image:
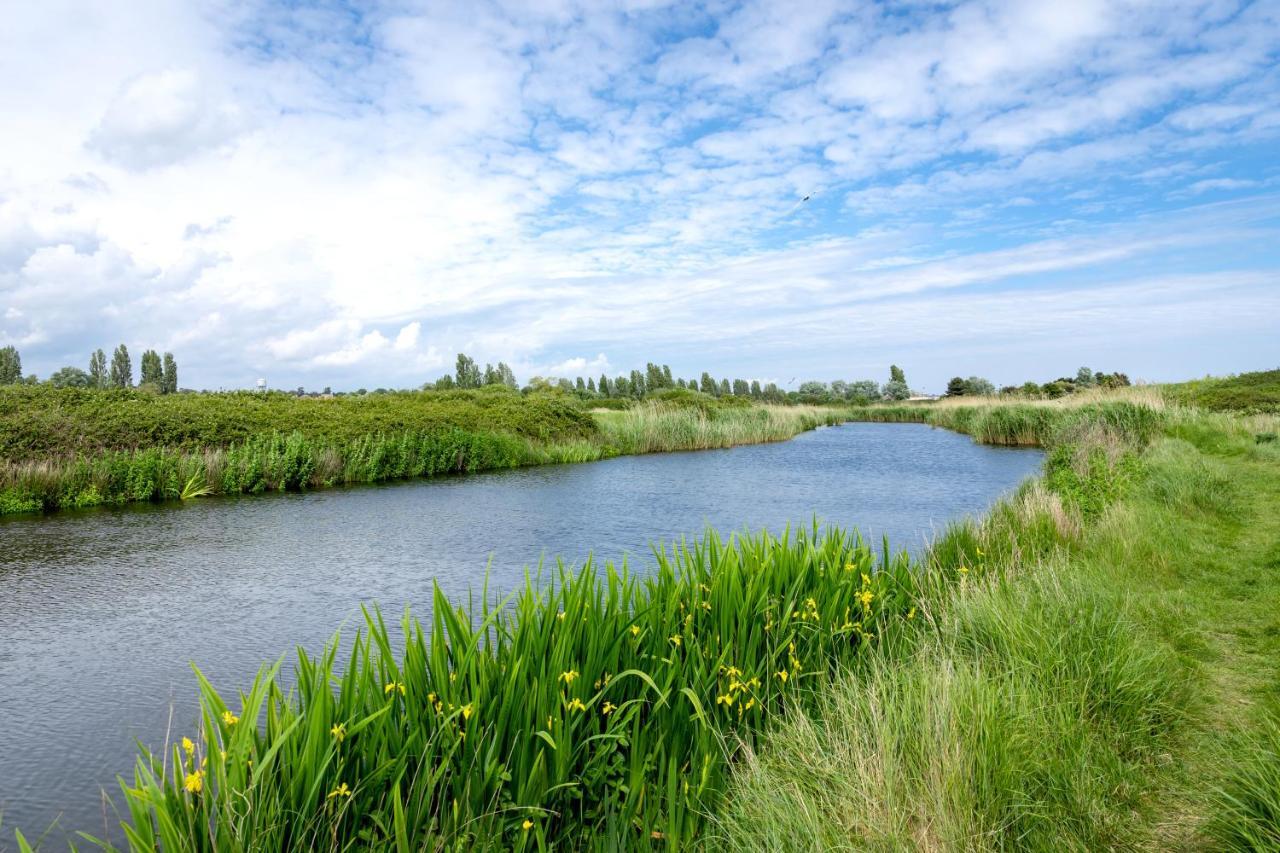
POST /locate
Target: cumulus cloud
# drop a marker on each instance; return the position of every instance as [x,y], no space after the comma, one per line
[347,198]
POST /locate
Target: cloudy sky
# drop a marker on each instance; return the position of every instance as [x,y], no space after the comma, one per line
[348,194]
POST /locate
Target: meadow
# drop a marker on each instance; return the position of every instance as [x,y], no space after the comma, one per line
[1052,676]
[76,448]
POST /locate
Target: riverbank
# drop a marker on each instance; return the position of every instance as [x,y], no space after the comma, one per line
[1053,664]
[73,448]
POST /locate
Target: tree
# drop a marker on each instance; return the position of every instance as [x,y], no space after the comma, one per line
[896,374]
[152,371]
[976,386]
[170,383]
[813,388]
[1085,378]
[605,390]
[507,375]
[621,388]
[467,372]
[667,382]
[580,386]
[708,385]
[1031,389]
[957,387]
[896,390]
[491,375]
[724,388]
[445,383]
[121,368]
[741,388]
[866,389]
[637,384]
[591,386]
[773,393]
[10,366]
[70,377]
[652,376]
[98,369]
[755,389]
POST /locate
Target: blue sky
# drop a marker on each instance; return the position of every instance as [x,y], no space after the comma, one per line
[348,194]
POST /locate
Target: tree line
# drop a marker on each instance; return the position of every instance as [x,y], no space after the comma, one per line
[976,386]
[658,377]
[158,373]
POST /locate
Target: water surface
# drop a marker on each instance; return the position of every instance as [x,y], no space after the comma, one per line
[101,612]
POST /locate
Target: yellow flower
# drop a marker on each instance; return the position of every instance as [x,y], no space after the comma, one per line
[979,550]
[229,718]
[676,639]
[575,704]
[340,791]
[635,630]
[568,677]
[392,686]
[194,782]
[339,731]
[527,825]
[724,699]
[467,711]
[964,570]
[865,597]
[911,614]
[560,615]
[187,746]
[783,675]
[608,708]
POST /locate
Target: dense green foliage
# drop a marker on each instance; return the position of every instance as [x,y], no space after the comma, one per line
[41,422]
[1248,392]
[592,712]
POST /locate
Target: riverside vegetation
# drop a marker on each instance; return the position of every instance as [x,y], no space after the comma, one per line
[66,448]
[1093,665]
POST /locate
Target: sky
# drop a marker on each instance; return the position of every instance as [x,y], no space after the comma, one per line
[348,194]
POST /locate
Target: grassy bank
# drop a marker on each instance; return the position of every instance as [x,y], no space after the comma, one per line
[72,448]
[1106,676]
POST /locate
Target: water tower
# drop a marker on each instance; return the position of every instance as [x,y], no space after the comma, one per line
[262,385]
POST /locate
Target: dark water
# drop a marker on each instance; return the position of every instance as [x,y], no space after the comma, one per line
[101,612]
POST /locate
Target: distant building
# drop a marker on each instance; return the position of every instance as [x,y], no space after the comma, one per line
[262,384]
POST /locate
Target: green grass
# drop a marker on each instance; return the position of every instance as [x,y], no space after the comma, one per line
[1248,392]
[76,449]
[602,708]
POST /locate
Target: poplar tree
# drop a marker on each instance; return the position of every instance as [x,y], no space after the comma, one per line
[467,372]
[169,384]
[708,385]
[98,369]
[724,388]
[741,388]
[10,366]
[591,385]
[152,372]
[755,389]
[605,390]
[121,368]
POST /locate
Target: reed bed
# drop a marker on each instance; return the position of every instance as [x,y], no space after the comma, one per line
[597,711]
[655,427]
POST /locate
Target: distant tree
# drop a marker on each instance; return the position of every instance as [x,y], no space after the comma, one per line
[121,368]
[445,383]
[580,386]
[152,370]
[10,366]
[621,387]
[1054,390]
[605,390]
[507,375]
[724,388]
[667,381]
[564,384]
[839,389]
[637,384]
[896,389]
[1112,380]
[691,384]
[70,377]
[957,387]
[773,393]
[708,385]
[591,386]
[813,388]
[467,372]
[741,388]
[1030,389]
[866,389]
[978,387]
[491,375]
[653,376]
[1085,378]
[98,369]
[169,384]
[896,374]
[328,392]
[755,389]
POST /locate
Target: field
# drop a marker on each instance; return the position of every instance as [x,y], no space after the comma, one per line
[68,448]
[1094,665]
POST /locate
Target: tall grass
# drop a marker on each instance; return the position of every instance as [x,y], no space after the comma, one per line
[599,711]
[654,427]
